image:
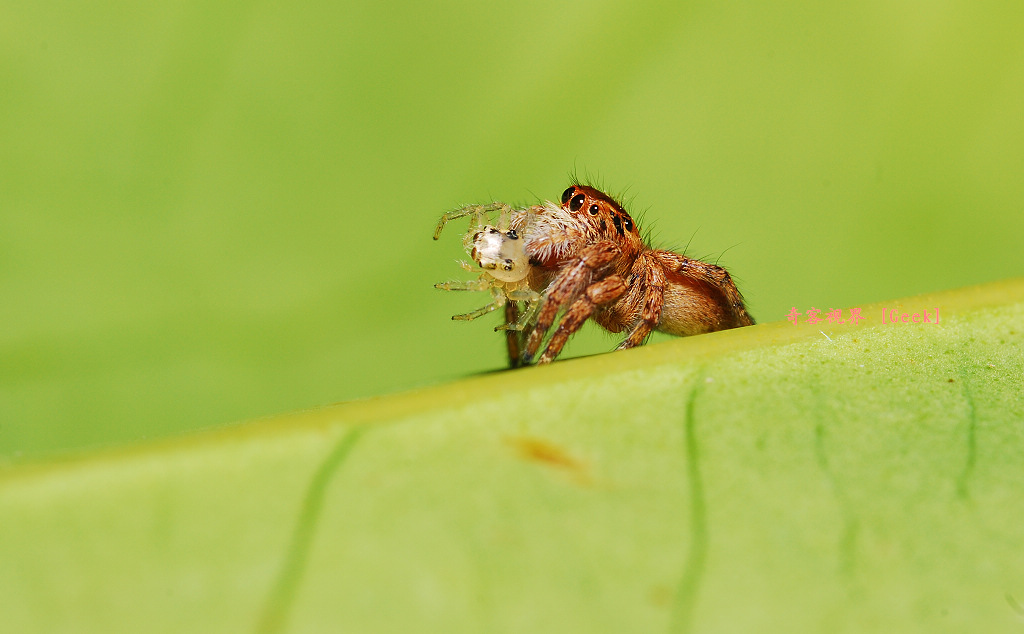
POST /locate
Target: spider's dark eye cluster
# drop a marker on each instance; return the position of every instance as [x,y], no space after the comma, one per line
[575,202]
[593,210]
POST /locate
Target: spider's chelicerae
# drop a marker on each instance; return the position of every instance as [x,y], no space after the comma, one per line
[586,260]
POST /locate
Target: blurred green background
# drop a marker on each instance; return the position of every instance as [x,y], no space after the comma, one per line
[217,211]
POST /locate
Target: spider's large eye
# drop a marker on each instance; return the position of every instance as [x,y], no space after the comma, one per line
[628,224]
[566,194]
[593,210]
[576,203]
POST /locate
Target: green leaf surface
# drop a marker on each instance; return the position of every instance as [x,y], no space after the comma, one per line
[783,477]
[218,210]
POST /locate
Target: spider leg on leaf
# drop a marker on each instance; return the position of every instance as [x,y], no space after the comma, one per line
[566,288]
[513,338]
[601,292]
[653,285]
[518,321]
[712,274]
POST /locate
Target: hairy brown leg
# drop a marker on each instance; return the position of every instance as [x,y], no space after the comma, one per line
[653,298]
[713,275]
[567,287]
[513,337]
[605,291]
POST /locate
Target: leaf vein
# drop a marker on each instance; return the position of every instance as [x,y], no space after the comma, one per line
[282,595]
[696,560]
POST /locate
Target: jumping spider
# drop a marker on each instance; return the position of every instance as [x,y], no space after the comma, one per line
[500,255]
[585,259]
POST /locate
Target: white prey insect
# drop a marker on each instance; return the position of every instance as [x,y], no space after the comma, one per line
[494,243]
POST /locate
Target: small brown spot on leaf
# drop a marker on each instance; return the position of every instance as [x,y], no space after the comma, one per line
[952,381]
[661,596]
[549,454]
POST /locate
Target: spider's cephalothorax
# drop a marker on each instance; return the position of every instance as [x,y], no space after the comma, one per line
[587,259]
